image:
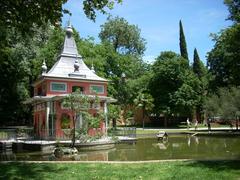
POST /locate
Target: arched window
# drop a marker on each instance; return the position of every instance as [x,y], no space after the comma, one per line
[65,121]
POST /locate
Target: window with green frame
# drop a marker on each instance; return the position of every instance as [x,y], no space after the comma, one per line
[58,87]
[99,89]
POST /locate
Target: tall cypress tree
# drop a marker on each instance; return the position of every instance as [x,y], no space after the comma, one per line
[198,66]
[200,70]
[183,44]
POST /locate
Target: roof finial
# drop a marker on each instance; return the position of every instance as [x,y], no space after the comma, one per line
[44,67]
[76,65]
[92,68]
[69,30]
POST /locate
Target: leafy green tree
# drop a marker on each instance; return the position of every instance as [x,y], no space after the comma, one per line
[24,14]
[212,106]
[16,66]
[234,9]
[77,103]
[124,37]
[144,101]
[90,7]
[113,113]
[111,65]
[47,51]
[223,58]
[201,72]
[141,83]
[26,39]
[224,104]
[182,43]
[198,67]
[173,85]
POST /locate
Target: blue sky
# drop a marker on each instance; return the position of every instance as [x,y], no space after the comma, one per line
[159,23]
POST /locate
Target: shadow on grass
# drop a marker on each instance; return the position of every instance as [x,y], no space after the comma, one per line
[220,165]
[26,170]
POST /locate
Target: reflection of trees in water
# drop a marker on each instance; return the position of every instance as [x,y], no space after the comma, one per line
[100,155]
[220,147]
[198,147]
[124,152]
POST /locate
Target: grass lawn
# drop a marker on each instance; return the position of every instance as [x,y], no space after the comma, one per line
[157,170]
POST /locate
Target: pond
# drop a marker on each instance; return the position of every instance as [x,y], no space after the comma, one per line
[176,147]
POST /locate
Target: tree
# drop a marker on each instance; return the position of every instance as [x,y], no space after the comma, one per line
[224,104]
[201,72]
[124,37]
[182,43]
[90,7]
[212,106]
[173,86]
[113,114]
[77,104]
[24,14]
[111,65]
[234,9]
[16,66]
[141,83]
[144,101]
[21,59]
[198,66]
[222,60]
[24,31]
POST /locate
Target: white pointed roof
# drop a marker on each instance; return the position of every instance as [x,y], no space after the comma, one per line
[64,67]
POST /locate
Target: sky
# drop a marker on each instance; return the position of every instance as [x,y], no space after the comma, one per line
[158,21]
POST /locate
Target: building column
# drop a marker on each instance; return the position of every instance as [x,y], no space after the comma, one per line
[106,118]
[47,118]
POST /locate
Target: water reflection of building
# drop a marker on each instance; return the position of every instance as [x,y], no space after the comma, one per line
[102,155]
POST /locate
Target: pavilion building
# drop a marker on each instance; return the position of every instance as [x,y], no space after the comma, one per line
[68,74]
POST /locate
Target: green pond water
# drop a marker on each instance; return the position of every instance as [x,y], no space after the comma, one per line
[176,147]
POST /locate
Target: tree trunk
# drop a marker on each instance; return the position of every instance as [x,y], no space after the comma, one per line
[114,123]
[143,116]
[73,138]
[165,121]
[198,114]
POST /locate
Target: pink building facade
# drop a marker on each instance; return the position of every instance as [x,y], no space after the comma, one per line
[68,74]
